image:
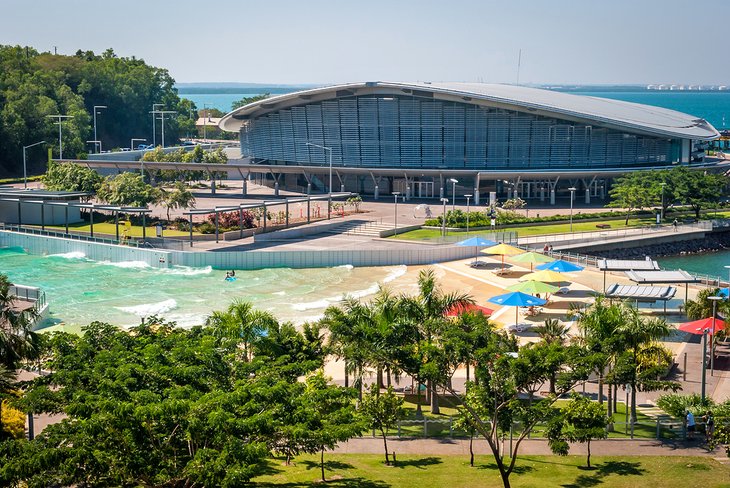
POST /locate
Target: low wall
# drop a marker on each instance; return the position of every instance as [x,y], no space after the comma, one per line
[43,245]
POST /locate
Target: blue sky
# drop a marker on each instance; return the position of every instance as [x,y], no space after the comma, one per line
[318,41]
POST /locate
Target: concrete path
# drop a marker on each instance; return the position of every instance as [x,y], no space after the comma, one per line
[608,447]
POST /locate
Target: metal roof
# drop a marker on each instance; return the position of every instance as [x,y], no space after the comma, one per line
[641,293]
[678,276]
[627,264]
[601,111]
[43,194]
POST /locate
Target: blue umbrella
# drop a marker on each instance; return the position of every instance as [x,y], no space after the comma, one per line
[560,266]
[476,242]
[517,299]
[725,292]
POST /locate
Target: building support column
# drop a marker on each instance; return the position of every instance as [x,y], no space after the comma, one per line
[441,186]
[553,185]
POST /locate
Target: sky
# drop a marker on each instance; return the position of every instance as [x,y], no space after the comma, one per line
[328,41]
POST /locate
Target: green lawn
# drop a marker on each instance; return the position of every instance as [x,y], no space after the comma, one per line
[537,229]
[368,471]
[110,229]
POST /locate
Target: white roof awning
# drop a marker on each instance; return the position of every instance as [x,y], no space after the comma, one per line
[678,276]
[641,293]
[628,264]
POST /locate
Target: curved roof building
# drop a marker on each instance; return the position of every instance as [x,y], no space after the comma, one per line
[499,136]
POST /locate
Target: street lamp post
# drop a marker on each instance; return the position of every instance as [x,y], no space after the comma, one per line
[661,220]
[95,112]
[60,134]
[443,217]
[395,212]
[205,121]
[162,123]
[467,212]
[330,161]
[714,299]
[453,193]
[572,194]
[154,122]
[25,171]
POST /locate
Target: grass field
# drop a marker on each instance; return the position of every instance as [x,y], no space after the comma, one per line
[368,471]
[110,229]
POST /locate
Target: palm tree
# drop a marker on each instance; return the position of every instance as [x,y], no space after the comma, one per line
[635,332]
[241,323]
[17,339]
[701,307]
[553,332]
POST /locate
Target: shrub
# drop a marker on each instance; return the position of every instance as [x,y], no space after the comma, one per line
[230,220]
[13,421]
[677,405]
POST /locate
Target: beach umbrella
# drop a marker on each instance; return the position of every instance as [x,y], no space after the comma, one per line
[560,266]
[517,299]
[531,257]
[476,242]
[546,276]
[457,310]
[533,287]
[503,250]
[699,327]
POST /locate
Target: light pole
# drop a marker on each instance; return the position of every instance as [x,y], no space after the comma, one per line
[704,346]
[326,149]
[154,122]
[572,193]
[453,193]
[443,217]
[162,123]
[25,171]
[712,346]
[661,220]
[95,112]
[131,142]
[205,121]
[60,140]
[467,212]
[395,212]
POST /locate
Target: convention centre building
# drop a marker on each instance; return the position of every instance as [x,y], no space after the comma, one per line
[427,140]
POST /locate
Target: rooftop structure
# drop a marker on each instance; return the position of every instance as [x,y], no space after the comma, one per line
[414,137]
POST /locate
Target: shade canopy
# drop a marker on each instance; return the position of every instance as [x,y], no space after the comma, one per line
[517,299]
[546,276]
[503,250]
[560,266]
[457,310]
[711,325]
[533,287]
[476,242]
[531,257]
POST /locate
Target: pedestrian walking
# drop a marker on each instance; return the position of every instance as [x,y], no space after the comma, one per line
[690,425]
[675,224]
[709,425]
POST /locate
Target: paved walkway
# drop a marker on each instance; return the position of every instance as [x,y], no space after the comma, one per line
[608,447]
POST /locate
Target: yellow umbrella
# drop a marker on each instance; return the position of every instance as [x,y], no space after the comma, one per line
[503,250]
[546,276]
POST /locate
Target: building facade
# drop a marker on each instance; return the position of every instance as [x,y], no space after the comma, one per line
[415,137]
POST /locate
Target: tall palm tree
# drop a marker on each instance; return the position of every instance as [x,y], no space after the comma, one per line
[241,324]
[637,331]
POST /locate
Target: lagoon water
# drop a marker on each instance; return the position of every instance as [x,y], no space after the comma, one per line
[712,264]
[80,290]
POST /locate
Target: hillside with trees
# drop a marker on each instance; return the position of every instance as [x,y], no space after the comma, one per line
[35,85]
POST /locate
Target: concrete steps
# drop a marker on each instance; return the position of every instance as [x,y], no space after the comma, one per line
[360,228]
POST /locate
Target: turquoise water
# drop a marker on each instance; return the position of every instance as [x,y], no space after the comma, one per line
[712,264]
[80,290]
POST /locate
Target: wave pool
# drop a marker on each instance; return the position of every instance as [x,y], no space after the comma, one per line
[81,290]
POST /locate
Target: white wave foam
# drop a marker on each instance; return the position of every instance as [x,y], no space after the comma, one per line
[187,270]
[126,264]
[147,309]
[301,307]
[280,293]
[345,266]
[69,255]
[396,273]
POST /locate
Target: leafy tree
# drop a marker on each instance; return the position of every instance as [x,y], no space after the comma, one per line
[128,189]
[179,197]
[698,189]
[17,339]
[71,177]
[241,324]
[701,307]
[247,100]
[634,191]
[581,420]
[382,412]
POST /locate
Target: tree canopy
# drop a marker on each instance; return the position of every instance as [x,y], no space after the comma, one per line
[34,85]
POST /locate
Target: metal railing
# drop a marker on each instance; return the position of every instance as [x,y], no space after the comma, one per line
[29,294]
[64,235]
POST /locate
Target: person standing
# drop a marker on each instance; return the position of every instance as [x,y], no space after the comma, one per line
[690,425]
[709,425]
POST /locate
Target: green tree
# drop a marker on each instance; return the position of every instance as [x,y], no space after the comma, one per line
[179,197]
[128,189]
[71,177]
[697,188]
[18,341]
[382,413]
[634,191]
[581,420]
[241,324]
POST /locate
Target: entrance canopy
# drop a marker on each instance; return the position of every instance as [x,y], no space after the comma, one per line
[641,293]
[628,264]
[678,276]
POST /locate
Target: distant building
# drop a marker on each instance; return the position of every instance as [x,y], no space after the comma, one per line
[414,137]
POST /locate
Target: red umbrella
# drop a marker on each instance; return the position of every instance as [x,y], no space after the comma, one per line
[699,326]
[457,310]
